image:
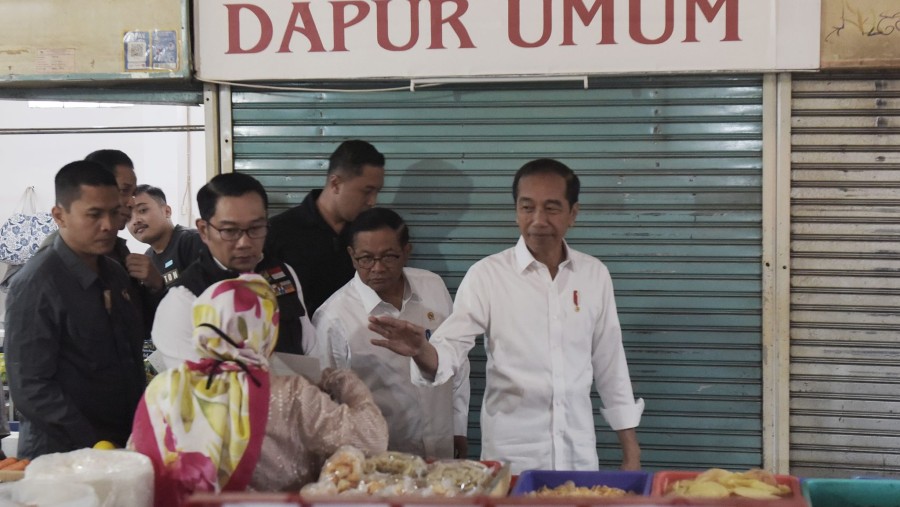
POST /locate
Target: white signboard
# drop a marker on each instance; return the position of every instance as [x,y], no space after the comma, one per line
[338,39]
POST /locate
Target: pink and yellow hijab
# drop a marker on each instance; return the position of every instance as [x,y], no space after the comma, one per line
[202,424]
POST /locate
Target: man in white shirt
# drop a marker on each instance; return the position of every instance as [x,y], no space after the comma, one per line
[233,224]
[550,327]
[423,420]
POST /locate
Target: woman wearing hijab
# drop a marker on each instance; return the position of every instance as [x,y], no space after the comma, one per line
[226,424]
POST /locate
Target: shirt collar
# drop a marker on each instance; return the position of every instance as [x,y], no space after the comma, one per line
[85,275]
[371,300]
[524,259]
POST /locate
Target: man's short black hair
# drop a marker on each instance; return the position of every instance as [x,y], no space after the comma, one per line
[374,219]
[549,166]
[155,193]
[73,175]
[227,185]
[109,159]
[350,157]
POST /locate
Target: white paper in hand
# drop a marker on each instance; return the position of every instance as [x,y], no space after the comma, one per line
[281,363]
[157,362]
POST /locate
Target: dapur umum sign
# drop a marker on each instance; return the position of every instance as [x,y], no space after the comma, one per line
[336,39]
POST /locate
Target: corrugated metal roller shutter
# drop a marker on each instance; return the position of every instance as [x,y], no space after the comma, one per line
[845,275]
[671,175]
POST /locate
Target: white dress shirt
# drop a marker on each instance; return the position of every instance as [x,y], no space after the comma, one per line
[173,327]
[547,339]
[421,419]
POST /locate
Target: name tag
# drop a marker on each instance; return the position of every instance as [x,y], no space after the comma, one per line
[280,282]
[169,277]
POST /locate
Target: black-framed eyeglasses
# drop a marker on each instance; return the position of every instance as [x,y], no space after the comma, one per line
[387,260]
[235,233]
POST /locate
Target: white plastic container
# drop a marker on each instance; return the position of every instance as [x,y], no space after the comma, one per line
[119,478]
[47,493]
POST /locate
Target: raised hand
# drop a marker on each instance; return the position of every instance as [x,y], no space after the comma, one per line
[141,267]
[407,339]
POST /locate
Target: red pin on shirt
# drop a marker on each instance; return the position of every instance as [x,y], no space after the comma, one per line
[575,300]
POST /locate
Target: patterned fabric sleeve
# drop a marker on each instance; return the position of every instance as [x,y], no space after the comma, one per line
[352,419]
[306,426]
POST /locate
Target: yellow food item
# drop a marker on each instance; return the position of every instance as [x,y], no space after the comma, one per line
[718,483]
[756,493]
[104,445]
[706,490]
[569,489]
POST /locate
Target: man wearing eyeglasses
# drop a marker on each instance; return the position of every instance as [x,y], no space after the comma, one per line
[234,224]
[426,421]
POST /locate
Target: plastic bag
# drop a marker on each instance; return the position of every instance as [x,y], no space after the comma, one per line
[117,477]
[22,234]
[47,493]
[348,472]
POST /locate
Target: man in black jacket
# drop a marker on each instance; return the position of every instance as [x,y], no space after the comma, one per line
[308,236]
[73,338]
[138,266]
[233,224]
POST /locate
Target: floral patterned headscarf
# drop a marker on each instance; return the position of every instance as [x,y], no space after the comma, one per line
[202,424]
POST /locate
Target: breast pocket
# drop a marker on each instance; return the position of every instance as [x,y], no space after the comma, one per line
[581,322]
[89,343]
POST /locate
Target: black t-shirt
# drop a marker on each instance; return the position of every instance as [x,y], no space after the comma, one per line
[183,249]
[301,238]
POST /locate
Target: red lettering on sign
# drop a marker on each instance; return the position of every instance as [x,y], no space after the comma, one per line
[438,21]
[515,25]
[234,28]
[308,28]
[384,38]
[710,12]
[607,28]
[340,20]
[446,18]
[635,27]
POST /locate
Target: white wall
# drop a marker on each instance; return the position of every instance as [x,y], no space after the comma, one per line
[164,159]
[173,161]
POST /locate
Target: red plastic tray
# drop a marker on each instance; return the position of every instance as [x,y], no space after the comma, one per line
[663,480]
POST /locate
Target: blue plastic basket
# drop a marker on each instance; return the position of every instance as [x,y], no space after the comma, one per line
[533,480]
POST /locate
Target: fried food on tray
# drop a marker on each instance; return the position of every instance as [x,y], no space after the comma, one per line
[718,483]
[344,469]
[396,463]
[348,472]
[379,484]
[570,489]
[457,477]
